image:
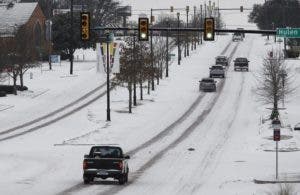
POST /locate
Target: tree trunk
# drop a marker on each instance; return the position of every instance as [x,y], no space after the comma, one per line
[157,76]
[130,96]
[15,75]
[134,90]
[160,70]
[149,83]
[21,79]
[141,89]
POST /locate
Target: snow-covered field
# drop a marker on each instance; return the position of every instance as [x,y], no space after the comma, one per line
[218,145]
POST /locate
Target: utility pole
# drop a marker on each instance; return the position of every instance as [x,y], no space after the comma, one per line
[72,40]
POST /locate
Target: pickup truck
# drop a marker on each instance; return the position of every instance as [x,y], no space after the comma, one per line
[241,64]
[105,162]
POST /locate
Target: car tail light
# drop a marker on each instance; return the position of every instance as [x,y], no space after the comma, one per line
[84,165]
[120,165]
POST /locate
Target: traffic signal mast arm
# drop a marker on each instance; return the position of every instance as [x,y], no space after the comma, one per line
[270,32]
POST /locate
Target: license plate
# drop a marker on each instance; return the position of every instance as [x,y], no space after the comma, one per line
[102,173]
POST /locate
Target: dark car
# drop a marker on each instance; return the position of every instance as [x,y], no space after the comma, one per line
[207,84]
[243,34]
[241,63]
[222,60]
[105,162]
[297,127]
[217,71]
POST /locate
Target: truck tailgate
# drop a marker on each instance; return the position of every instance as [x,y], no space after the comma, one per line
[103,163]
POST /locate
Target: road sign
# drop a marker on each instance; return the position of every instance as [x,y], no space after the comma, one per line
[55,58]
[276,135]
[288,32]
[276,124]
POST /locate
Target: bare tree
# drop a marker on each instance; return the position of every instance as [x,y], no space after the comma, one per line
[274,81]
[160,54]
[26,52]
[8,60]
[135,65]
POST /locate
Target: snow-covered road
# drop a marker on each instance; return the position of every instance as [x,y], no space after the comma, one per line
[221,127]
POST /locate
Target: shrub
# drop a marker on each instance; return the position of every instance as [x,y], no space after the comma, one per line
[2,93]
[291,53]
[9,89]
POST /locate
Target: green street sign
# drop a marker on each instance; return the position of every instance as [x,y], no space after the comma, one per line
[288,32]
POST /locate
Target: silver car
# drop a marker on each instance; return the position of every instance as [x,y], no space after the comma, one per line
[207,84]
[237,37]
[217,71]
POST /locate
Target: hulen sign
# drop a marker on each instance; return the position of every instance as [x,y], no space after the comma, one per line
[288,32]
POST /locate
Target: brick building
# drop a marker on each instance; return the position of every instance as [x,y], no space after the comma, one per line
[28,15]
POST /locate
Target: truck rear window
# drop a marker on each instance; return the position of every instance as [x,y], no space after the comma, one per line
[106,152]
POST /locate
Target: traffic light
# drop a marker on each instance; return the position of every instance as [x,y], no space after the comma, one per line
[172,9]
[143,29]
[85,26]
[241,8]
[209,29]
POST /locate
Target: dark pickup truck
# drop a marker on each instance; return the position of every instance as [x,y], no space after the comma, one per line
[241,64]
[105,162]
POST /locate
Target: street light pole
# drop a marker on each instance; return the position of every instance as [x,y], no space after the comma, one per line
[201,22]
[194,37]
[167,45]
[187,34]
[72,40]
[178,41]
[107,77]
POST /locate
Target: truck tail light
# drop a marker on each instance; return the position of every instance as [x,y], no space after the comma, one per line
[84,165]
[120,165]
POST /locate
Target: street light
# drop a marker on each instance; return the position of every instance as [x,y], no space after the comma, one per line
[178,41]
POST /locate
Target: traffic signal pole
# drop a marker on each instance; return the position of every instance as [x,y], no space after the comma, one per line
[151,53]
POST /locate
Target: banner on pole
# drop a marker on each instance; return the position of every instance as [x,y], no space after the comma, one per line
[114,56]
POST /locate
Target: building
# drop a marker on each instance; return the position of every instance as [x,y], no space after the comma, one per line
[13,16]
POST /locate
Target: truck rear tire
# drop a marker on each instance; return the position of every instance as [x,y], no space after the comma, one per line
[122,180]
[86,181]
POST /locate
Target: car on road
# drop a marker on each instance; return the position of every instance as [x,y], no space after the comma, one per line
[104,162]
[297,127]
[241,63]
[237,37]
[217,71]
[222,60]
[207,84]
[243,34]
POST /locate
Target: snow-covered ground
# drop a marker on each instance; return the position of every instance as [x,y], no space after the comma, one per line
[232,143]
